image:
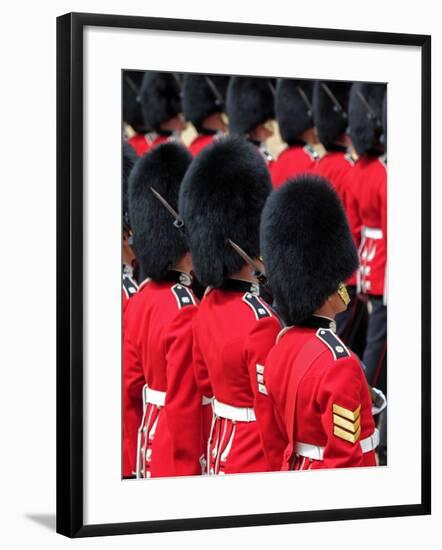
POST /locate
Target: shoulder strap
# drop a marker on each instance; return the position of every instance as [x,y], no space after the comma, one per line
[332,341]
[129,286]
[260,310]
[183,295]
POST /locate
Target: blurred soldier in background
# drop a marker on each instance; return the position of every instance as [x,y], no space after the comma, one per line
[251,112]
[370,172]
[204,106]
[330,112]
[129,284]
[322,399]
[135,130]
[158,324]
[130,287]
[221,199]
[160,98]
[294,113]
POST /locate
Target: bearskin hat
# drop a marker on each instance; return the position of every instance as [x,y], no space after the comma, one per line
[132,114]
[330,108]
[384,119]
[306,245]
[365,115]
[221,198]
[160,97]
[249,102]
[158,244]
[293,106]
[203,95]
[129,159]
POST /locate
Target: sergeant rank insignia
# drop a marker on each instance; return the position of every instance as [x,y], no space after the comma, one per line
[347,423]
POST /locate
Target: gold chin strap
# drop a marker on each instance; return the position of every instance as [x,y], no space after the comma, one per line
[343,293]
[224,118]
[270,125]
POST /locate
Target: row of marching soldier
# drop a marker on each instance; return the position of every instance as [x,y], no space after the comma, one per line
[254,289]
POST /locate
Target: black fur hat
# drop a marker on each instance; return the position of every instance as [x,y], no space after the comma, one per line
[384,120]
[221,198]
[293,109]
[129,159]
[158,244]
[307,246]
[365,115]
[160,97]
[132,114]
[330,109]
[203,95]
[249,102]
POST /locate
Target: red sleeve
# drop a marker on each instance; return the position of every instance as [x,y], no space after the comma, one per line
[339,400]
[133,382]
[258,345]
[383,206]
[352,209]
[199,365]
[183,398]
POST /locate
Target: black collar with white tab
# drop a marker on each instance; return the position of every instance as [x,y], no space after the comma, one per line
[176,276]
[239,285]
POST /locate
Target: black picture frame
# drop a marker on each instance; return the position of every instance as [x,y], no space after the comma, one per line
[70,272]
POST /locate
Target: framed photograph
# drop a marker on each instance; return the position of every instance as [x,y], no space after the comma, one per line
[222,190]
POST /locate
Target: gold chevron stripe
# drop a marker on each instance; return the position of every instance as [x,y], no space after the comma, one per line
[352,438]
[347,413]
[346,424]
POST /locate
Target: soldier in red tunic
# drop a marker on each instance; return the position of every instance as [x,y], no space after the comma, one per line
[221,199]
[330,111]
[136,132]
[315,387]
[370,172]
[129,283]
[160,98]
[157,349]
[130,288]
[203,106]
[294,113]
[251,111]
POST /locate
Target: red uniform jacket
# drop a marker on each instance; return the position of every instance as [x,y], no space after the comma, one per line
[321,400]
[337,167]
[141,143]
[295,160]
[130,288]
[201,141]
[157,351]
[224,319]
[370,175]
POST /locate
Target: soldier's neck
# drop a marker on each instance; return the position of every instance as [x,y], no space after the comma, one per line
[325,310]
[184,264]
[245,274]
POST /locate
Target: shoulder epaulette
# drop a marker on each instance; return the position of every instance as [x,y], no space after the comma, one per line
[349,159]
[383,160]
[260,310]
[183,295]
[311,152]
[129,286]
[333,343]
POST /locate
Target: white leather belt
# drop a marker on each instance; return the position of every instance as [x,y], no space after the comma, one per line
[239,414]
[206,400]
[317,453]
[372,233]
[154,397]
